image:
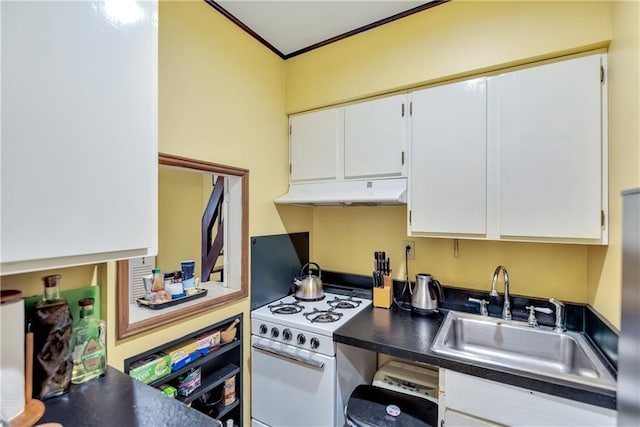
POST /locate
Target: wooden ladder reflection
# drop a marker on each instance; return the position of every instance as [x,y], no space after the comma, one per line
[213,221]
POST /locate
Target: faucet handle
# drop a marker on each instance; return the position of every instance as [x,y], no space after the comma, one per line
[483,305]
[559,327]
[556,302]
[533,322]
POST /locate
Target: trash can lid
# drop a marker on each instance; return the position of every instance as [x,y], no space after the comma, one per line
[371,406]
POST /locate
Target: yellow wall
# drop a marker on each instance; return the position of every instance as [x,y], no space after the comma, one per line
[450,40]
[456,39]
[180,208]
[604,284]
[347,238]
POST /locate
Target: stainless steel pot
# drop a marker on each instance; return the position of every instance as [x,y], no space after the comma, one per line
[309,288]
[426,294]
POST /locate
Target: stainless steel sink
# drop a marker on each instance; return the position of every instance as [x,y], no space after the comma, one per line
[516,345]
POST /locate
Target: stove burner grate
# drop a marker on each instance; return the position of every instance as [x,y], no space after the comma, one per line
[286,308]
[344,303]
[323,316]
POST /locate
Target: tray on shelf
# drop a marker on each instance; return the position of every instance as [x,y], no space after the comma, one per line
[160,305]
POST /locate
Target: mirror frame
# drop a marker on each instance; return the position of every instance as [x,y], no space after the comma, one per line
[126,329]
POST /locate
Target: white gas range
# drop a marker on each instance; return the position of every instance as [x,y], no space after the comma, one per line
[306,324]
[300,377]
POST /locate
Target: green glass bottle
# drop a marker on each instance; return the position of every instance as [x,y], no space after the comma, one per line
[89,345]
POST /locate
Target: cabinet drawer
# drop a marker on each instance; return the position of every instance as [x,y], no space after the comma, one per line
[455,418]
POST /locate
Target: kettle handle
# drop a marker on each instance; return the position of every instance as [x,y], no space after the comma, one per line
[439,286]
[309,271]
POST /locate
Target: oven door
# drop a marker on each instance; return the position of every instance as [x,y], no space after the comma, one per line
[291,386]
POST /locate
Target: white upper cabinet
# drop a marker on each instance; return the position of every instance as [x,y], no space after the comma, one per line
[357,141]
[375,135]
[448,173]
[517,156]
[315,145]
[549,123]
[79,133]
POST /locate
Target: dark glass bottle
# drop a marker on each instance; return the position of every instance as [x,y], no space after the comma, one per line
[51,327]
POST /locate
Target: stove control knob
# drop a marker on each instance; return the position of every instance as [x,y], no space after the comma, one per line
[315,343]
[286,335]
[275,332]
[301,339]
[263,329]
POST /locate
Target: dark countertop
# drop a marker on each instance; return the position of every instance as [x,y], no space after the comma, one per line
[118,400]
[409,336]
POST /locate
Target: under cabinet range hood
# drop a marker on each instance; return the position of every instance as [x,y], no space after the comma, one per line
[370,192]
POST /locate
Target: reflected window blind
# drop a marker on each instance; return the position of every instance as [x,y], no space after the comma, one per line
[138,268]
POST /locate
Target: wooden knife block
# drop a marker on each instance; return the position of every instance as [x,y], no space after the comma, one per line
[383,297]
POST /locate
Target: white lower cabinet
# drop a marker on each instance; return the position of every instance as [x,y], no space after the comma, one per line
[471,401]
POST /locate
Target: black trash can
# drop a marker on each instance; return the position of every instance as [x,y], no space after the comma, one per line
[371,406]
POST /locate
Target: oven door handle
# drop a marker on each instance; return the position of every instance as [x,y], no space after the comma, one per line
[303,360]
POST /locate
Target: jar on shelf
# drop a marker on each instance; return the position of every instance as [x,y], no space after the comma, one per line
[156,281]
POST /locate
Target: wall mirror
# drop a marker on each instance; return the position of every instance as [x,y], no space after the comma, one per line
[202,216]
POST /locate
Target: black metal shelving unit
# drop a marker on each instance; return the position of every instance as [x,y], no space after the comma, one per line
[219,365]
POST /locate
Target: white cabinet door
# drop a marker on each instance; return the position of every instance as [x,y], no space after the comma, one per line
[375,137]
[550,138]
[514,406]
[79,133]
[448,174]
[314,143]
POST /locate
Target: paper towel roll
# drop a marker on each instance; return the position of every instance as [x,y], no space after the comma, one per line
[12,358]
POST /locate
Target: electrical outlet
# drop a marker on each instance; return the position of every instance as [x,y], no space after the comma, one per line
[411,245]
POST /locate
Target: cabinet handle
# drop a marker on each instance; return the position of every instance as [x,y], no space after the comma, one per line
[295,358]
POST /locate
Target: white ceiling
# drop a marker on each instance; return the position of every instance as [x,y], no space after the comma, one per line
[290,26]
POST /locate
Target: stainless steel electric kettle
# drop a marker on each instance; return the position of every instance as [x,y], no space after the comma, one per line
[426,294]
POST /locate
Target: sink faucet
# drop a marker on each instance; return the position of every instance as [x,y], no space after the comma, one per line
[533,322]
[483,305]
[506,308]
[559,327]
